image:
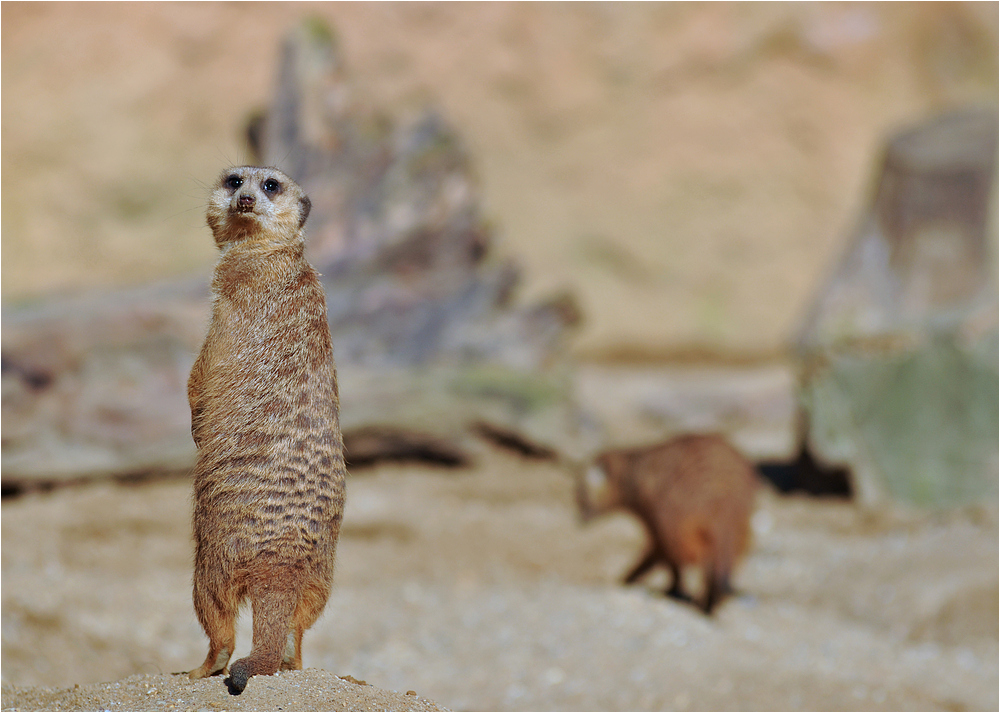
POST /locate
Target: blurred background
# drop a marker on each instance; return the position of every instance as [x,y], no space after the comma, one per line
[683,183]
[689,171]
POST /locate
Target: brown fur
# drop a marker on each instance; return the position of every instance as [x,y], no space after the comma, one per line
[695,496]
[269,480]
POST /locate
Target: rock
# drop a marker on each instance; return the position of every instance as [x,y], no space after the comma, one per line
[899,351]
[396,227]
[96,384]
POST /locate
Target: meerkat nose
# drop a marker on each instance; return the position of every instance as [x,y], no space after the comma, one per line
[245,202]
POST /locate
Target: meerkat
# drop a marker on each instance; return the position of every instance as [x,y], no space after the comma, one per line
[694,495]
[269,479]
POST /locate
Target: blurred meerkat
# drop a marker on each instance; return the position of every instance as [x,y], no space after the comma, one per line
[695,496]
[269,479]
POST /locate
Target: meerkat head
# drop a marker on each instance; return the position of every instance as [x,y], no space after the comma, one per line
[596,491]
[251,203]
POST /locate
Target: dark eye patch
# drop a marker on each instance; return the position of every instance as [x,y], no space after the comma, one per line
[233,181]
[271,186]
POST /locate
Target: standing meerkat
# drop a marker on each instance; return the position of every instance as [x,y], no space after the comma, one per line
[695,496]
[269,479]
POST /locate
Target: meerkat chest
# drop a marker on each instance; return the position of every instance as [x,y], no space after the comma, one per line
[261,301]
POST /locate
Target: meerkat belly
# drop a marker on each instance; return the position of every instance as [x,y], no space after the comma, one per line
[273,521]
[268,472]
[274,501]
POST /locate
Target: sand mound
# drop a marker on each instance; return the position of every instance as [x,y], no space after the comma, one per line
[309,690]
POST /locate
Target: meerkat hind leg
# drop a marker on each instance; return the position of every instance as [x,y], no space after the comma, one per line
[221,643]
[220,625]
[307,611]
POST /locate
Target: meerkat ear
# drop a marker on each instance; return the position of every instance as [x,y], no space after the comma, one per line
[305,206]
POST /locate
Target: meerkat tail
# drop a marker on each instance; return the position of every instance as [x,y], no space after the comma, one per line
[273,607]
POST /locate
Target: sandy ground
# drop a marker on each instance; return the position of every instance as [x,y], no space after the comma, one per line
[479,590]
[309,690]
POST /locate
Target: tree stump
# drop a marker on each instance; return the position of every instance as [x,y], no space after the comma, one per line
[899,350]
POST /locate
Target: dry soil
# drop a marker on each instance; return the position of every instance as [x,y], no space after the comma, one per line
[479,590]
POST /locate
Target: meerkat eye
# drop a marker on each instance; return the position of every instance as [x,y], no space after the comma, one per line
[234,182]
[271,186]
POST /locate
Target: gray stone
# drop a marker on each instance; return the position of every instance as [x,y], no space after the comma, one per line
[899,350]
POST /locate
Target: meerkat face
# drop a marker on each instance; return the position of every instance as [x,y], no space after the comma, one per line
[249,203]
[595,493]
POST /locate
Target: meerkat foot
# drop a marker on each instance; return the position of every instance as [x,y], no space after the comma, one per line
[290,660]
[675,592]
[212,668]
